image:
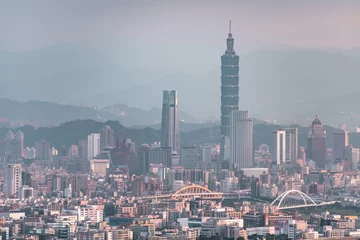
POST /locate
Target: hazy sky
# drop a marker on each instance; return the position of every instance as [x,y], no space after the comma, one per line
[27,25]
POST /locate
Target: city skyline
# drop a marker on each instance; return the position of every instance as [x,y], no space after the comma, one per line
[113,171]
[86,58]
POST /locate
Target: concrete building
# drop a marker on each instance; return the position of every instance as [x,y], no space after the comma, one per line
[143,229]
[99,166]
[13,179]
[286,146]
[352,155]
[189,157]
[93,213]
[43,150]
[73,152]
[119,234]
[83,149]
[106,138]
[147,156]
[93,145]
[25,192]
[340,141]
[316,149]
[241,140]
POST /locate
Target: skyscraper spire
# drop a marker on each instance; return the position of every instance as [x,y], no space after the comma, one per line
[230,41]
[229,94]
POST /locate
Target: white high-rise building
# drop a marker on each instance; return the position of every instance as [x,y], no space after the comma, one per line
[93,145]
[13,178]
[280,151]
[170,130]
[286,146]
[241,140]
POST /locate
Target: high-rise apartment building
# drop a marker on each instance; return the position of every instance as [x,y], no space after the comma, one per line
[279,155]
[147,156]
[170,130]
[42,150]
[286,146]
[106,138]
[340,141]
[13,179]
[83,149]
[316,149]
[241,140]
[229,94]
[353,156]
[189,157]
[93,145]
[13,145]
[19,138]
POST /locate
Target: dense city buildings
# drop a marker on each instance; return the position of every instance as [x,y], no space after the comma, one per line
[229,95]
[150,187]
[170,128]
[241,140]
[316,149]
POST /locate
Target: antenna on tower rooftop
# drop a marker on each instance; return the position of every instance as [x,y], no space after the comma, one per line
[230,27]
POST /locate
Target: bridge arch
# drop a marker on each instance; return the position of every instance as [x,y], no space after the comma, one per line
[292,199]
[192,190]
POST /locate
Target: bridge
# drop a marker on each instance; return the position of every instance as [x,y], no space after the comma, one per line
[293,199]
[197,191]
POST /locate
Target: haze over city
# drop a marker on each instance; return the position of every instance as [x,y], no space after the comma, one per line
[145,46]
[196,120]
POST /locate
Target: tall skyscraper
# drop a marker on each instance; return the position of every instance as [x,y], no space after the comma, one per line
[279,153]
[286,147]
[19,137]
[106,138]
[13,179]
[316,149]
[229,94]
[170,130]
[93,145]
[189,157]
[241,140]
[83,149]
[42,150]
[340,141]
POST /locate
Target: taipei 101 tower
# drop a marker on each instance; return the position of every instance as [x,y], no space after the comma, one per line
[229,96]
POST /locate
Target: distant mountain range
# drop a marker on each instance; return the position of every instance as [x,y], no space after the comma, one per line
[290,86]
[48,114]
[69,133]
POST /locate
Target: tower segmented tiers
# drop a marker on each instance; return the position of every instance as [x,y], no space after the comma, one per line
[229,95]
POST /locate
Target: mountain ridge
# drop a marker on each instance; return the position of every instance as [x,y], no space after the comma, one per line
[49,113]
